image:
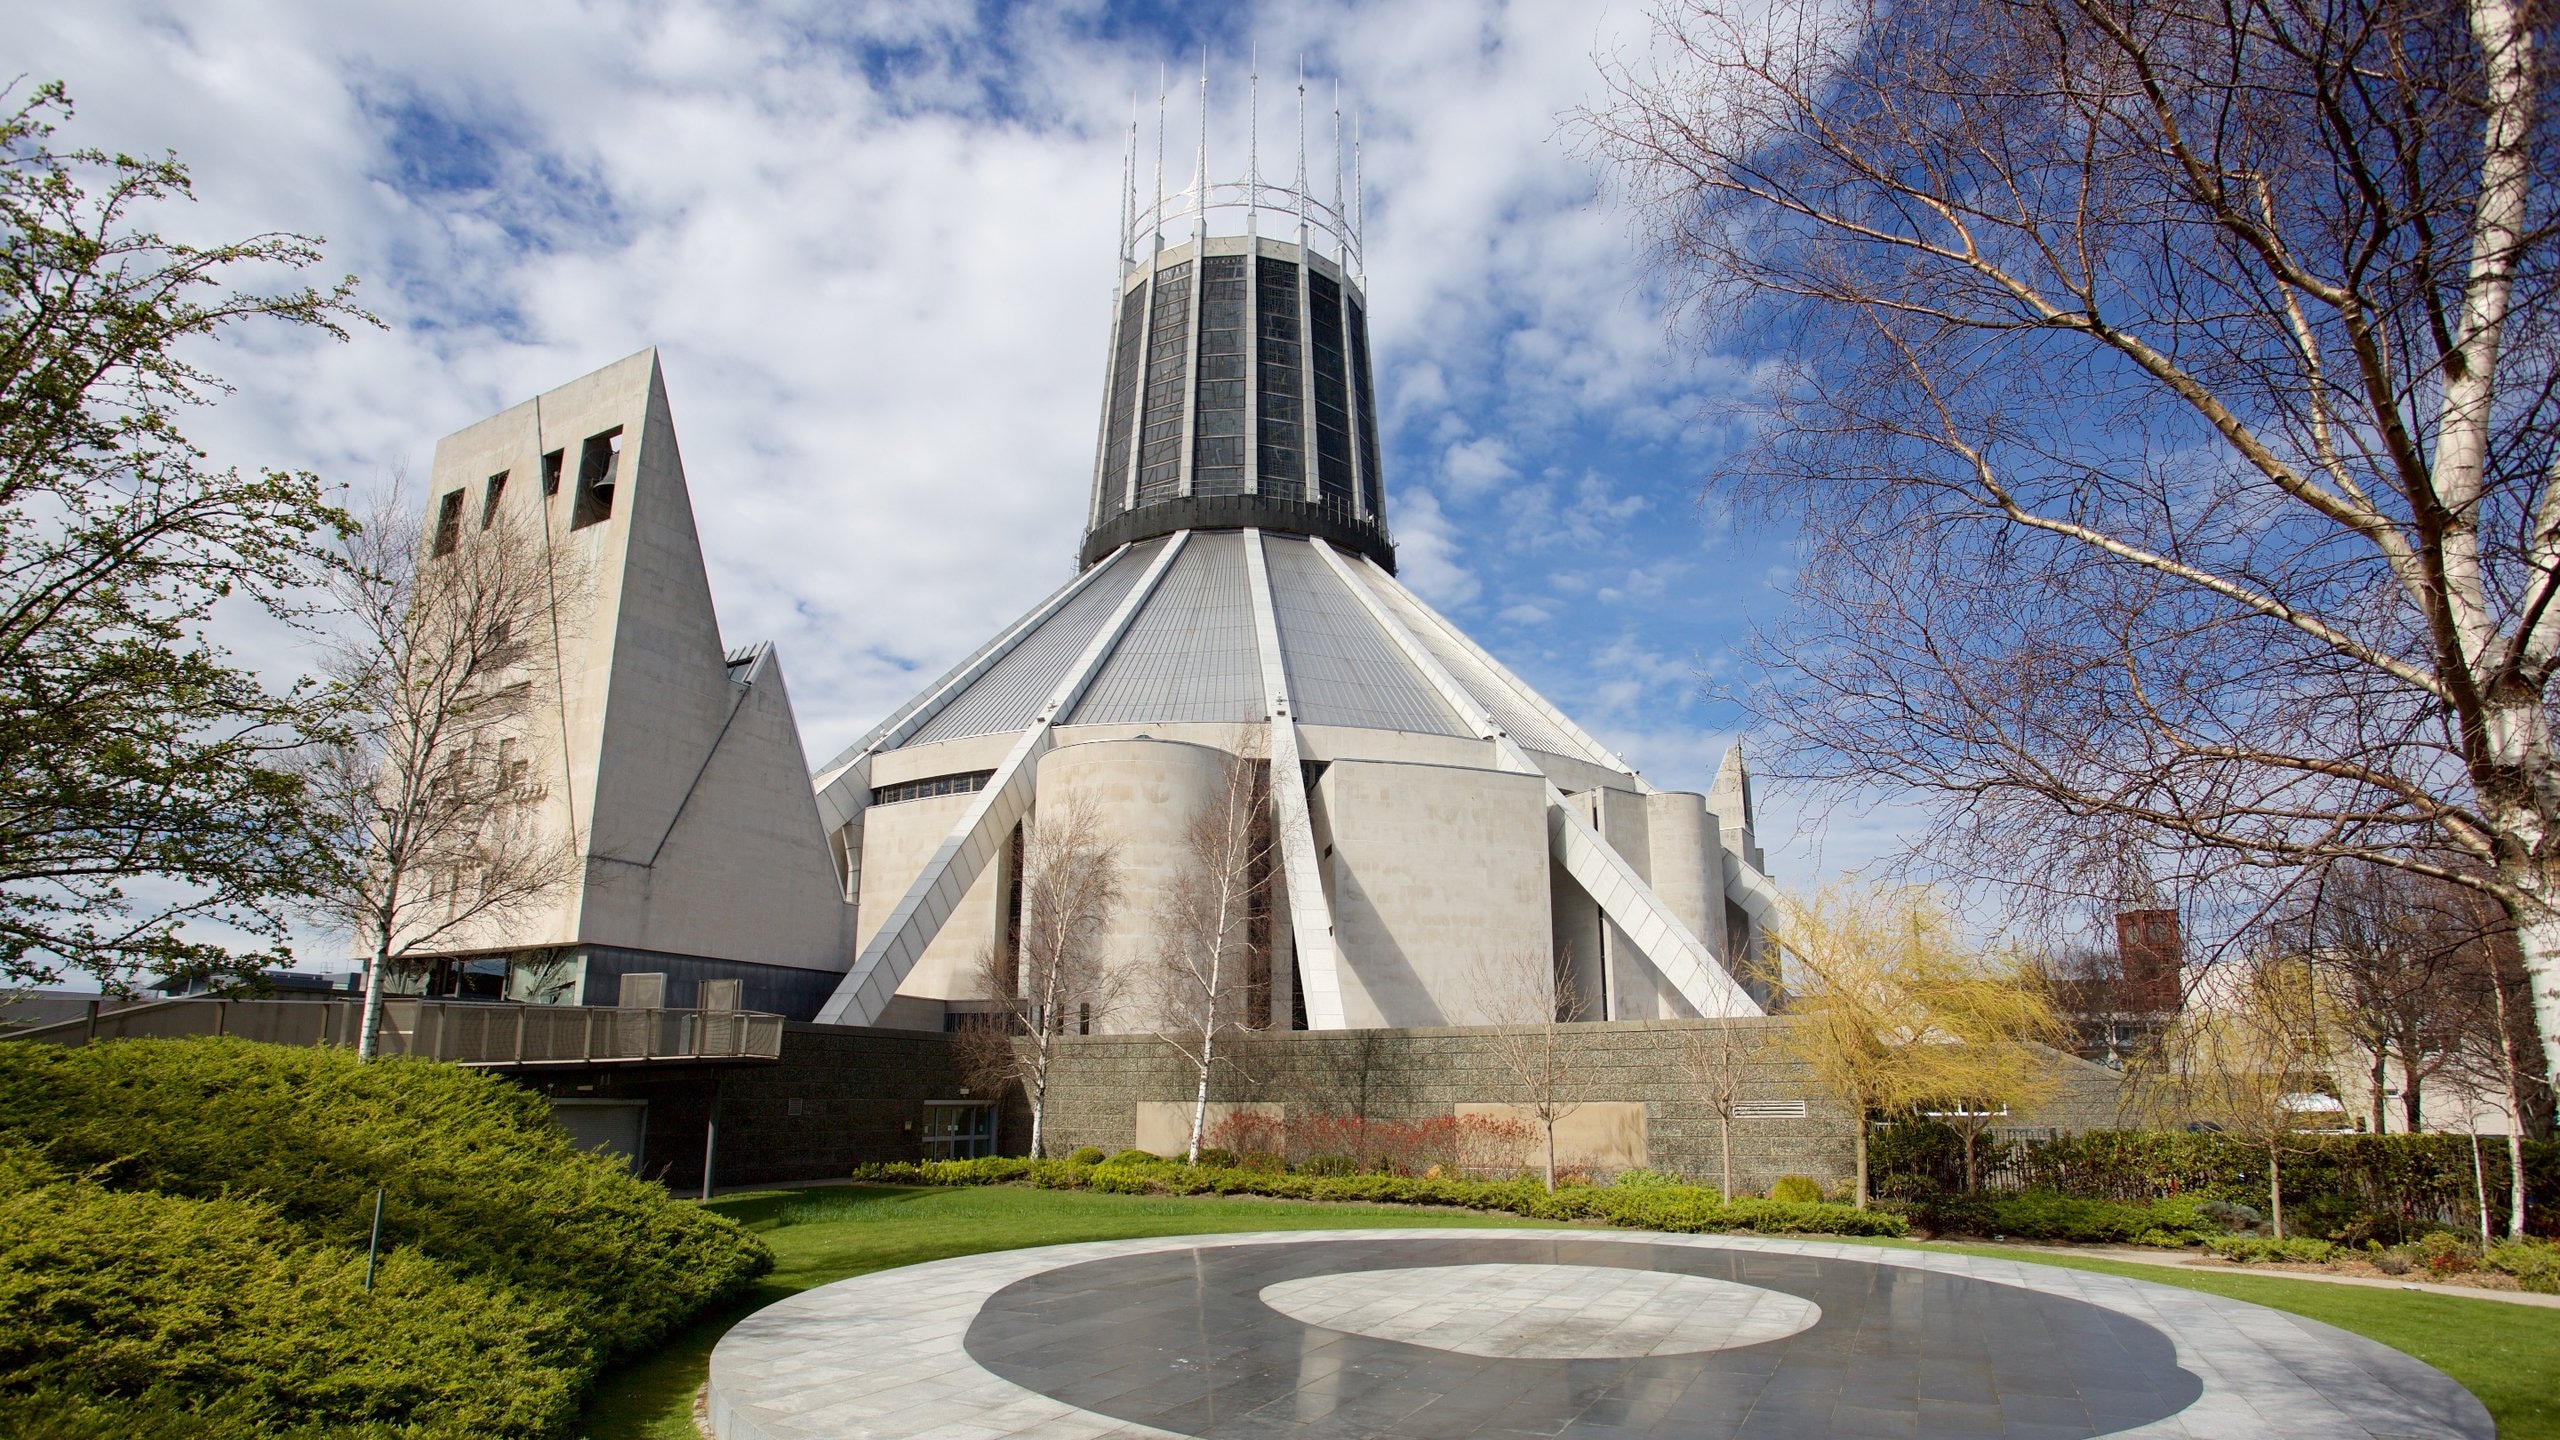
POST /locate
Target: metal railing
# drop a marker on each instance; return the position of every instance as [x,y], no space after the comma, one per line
[459,1032]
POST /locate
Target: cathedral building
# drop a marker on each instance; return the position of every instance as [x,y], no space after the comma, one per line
[1236,594]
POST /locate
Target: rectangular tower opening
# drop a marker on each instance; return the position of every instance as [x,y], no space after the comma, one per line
[551,465]
[599,465]
[448,522]
[489,499]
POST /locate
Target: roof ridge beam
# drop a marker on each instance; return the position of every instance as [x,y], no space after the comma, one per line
[884,963]
[1310,916]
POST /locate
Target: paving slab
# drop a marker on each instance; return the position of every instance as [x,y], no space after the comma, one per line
[1331,1335]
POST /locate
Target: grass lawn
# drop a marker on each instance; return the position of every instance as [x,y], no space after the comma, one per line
[2509,1355]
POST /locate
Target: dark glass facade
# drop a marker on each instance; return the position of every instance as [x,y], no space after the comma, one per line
[1366,395]
[1333,406]
[1168,361]
[1117,415]
[1217,406]
[1241,394]
[1282,384]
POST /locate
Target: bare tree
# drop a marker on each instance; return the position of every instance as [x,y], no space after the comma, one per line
[2243,1058]
[2173,422]
[1717,1059]
[2402,971]
[430,792]
[1211,960]
[1054,983]
[1531,997]
[2486,1059]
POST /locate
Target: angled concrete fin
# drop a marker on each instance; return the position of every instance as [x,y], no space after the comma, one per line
[1602,873]
[1310,917]
[900,942]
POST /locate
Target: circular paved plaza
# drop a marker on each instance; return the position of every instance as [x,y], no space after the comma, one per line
[1443,1334]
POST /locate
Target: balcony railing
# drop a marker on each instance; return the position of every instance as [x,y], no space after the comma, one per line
[459,1032]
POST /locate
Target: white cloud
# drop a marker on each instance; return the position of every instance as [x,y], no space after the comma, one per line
[1476,466]
[874,244]
[1427,553]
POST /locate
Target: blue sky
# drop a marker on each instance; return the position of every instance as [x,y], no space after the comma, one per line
[875,245]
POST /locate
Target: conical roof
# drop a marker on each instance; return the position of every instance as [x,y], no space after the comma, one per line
[1189,655]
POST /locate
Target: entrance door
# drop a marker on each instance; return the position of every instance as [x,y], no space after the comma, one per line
[959,1129]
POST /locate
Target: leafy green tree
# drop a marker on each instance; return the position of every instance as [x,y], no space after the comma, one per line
[144,799]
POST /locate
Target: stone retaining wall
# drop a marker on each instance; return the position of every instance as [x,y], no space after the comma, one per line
[841,1096]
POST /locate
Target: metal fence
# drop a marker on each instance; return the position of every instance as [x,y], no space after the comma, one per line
[458,1032]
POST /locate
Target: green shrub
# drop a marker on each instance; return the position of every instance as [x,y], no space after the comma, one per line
[53,1413]
[1330,1165]
[1213,1155]
[121,1293]
[1796,1189]
[1134,1157]
[189,1219]
[1086,1155]
[1643,1179]
[1264,1161]
[2534,1263]
[2265,1250]
[2044,1215]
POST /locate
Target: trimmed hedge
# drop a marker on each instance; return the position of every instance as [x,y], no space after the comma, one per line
[2348,1188]
[183,1228]
[2043,1215]
[1685,1208]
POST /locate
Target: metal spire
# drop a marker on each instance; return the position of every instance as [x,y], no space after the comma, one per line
[1302,149]
[1253,146]
[1359,198]
[1200,173]
[1338,212]
[1129,192]
[1158,220]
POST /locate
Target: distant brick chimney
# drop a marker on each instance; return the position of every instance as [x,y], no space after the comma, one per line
[2150,949]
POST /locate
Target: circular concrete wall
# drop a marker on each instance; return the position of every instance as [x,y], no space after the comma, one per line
[1145,794]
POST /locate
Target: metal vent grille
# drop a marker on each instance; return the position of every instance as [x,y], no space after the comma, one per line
[1769,1110]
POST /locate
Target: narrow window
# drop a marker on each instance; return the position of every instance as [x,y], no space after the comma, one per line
[489,498]
[551,471]
[448,522]
[599,464]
